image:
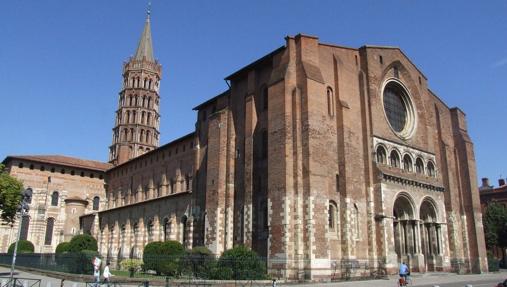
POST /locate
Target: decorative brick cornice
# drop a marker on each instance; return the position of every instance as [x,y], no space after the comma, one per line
[405,181]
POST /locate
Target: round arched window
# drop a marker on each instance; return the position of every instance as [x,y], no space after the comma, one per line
[398,108]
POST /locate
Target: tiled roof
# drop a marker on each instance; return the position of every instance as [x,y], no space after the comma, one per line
[64,160]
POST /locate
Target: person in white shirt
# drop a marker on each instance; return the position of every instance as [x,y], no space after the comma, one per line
[107,274]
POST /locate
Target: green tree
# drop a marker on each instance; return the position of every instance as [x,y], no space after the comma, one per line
[82,242]
[10,195]
[495,225]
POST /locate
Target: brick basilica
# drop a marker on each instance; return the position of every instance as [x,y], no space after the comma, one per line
[316,155]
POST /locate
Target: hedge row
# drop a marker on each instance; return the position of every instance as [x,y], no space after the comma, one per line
[170,258]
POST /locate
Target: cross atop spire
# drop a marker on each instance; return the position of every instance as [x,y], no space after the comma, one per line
[145,47]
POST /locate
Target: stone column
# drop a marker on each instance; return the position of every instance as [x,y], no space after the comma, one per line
[418,259]
[389,244]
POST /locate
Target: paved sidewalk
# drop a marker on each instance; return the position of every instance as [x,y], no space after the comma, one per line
[427,279]
[45,280]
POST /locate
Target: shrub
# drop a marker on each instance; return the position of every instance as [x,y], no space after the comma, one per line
[171,255]
[493,263]
[244,263]
[128,264]
[163,257]
[151,254]
[134,265]
[62,247]
[24,246]
[199,261]
[82,242]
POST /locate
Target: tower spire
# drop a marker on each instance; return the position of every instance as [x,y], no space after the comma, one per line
[136,128]
[145,47]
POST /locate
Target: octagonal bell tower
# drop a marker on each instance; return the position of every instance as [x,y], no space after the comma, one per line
[137,122]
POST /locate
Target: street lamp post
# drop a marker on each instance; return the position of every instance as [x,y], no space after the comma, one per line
[23,210]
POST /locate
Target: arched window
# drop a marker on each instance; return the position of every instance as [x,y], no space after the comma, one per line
[134,120]
[149,101]
[381,155]
[355,218]
[419,166]
[96,202]
[25,224]
[167,229]
[431,169]
[264,215]
[149,84]
[264,93]
[130,100]
[330,102]
[149,229]
[131,134]
[54,198]
[142,116]
[407,163]
[144,85]
[142,136]
[264,141]
[49,231]
[144,101]
[187,182]
[332,216]
[148,137]
[137,101]
[128,117]
[20,165]
[149,119]
[395,159]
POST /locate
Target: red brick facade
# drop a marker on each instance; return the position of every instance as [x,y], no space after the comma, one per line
[299,161]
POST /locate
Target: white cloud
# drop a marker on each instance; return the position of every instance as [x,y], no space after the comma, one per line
[500,63]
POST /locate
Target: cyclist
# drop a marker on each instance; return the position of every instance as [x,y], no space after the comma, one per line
[404,272]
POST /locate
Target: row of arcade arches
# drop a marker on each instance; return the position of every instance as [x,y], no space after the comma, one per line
[417,229]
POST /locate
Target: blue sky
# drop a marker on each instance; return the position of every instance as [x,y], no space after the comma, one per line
[60,61]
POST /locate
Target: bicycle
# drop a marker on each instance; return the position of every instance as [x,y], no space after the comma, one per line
[405,281]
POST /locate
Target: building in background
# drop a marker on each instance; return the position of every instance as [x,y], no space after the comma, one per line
[489,194]
[64,188]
